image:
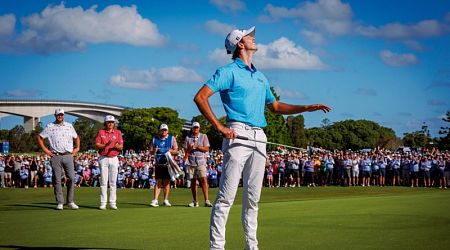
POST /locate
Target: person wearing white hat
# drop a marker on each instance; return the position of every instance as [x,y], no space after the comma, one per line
[61,136]
[162,144]
[196,146]
[245,93]
[109,142]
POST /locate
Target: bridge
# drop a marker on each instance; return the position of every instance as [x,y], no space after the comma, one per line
[33,110]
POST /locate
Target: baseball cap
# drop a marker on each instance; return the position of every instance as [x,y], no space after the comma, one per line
[236,36]
[196,124]
[163,126]
[59,111]
[109,118]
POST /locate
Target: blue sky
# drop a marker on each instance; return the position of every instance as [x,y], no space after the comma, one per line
[384,61]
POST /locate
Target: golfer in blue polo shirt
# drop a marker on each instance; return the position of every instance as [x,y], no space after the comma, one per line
[245,93]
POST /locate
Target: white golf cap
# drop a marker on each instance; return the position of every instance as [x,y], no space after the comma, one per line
[236,36]
[195,124]
[59,111]
[163,126]
[110,118]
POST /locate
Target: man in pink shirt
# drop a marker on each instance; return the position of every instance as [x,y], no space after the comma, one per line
[109,142]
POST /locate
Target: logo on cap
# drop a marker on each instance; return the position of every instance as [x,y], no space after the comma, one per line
[59,111]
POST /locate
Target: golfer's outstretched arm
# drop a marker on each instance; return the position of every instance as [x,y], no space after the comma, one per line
[288,109]
[201,99]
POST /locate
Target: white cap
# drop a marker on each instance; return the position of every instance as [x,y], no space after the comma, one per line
[236,36]
[163,126]
[59,111]
[196,124]
[109,118]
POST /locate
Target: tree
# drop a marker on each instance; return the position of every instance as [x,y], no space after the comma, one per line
[140,125]
[296,130]
[350,134]
[16,139]
[215,138]
[87,130]
[276,130]
[444,142]
[418,139]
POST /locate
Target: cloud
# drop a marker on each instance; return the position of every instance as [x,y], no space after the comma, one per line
[366,92]
[7,24]
[229,5]
[312,37]
[58,28]
[435,102]
[398,31]
[20,93]
[335,18]
[154,78]
[217,27]
[398,60]
[404,114]
[329,16]
[292,94]
[280,54]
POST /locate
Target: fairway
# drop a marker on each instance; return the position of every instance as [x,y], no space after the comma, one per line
[290,218]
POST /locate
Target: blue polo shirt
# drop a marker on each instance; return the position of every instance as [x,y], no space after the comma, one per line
[244,92]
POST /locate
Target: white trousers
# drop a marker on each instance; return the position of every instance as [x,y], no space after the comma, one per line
[241,158]
[109,167]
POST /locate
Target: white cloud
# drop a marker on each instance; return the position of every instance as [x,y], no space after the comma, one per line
[229,5]
[217,27]
[7,24]
[284,54]
[329,16]
[398,31]
[398,60]
[366,92]
[280,54]
[292,94]
[312,37]
[58,28]
[335,18]
[154,78]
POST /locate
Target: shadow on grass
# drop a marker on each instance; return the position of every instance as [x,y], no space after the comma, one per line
[45,205]
[48,247]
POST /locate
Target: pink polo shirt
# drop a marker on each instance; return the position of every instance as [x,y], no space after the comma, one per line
[103,136]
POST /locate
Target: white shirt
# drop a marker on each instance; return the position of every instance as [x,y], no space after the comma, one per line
[60,137]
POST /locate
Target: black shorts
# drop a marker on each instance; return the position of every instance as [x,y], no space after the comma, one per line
[396,172]
[162,172]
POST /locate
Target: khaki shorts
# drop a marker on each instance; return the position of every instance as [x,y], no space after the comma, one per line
[197,171]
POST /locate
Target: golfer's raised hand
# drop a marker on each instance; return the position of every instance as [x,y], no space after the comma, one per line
[322,107]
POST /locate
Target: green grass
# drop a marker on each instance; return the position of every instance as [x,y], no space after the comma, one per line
[289,218]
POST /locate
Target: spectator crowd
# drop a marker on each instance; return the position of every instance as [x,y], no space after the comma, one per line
[429,168]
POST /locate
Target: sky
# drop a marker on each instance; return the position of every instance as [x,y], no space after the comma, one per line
[383,61]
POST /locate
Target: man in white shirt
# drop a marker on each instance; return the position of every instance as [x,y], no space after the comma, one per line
[61,136]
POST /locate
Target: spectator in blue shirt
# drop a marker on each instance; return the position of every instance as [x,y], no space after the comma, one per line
[121,179]
[212,177]
[329,163]
[366,166]
[95,172]
[24,173]
[48,175]
[414,170]
[395,166]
